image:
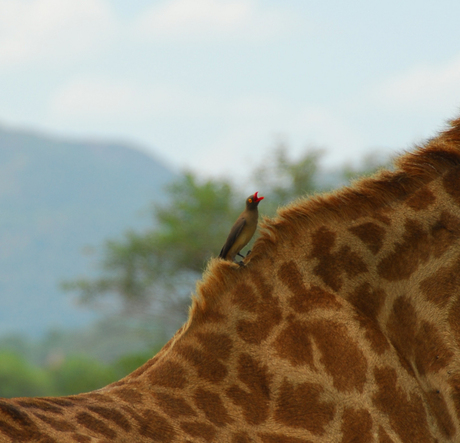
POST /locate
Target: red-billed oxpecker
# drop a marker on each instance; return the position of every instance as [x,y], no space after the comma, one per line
[243,229]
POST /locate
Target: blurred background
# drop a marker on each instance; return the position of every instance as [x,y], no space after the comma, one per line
[132,132]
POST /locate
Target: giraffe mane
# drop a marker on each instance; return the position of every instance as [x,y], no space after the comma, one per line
[365,195]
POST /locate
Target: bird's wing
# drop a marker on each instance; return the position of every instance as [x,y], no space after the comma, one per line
[234,233]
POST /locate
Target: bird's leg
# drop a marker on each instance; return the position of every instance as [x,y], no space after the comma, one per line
[242,256]
[241,263]
[247,253]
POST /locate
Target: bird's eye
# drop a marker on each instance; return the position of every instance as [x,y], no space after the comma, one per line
[250,200]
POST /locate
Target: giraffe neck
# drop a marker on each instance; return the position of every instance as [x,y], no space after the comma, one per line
[381,283]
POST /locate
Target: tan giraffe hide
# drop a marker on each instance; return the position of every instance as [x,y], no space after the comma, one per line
[344,326]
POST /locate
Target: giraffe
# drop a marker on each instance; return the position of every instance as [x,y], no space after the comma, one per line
[343,325]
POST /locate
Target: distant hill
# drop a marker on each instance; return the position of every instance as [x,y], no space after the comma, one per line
[56,198]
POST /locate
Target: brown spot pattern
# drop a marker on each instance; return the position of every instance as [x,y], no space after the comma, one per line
[305,299]
[207,365]
[347,367]
[432,354]
[173,406]
[444,233]
[254,400]
[264,305]
[199,430]
[211,404]
[294,344]
[451,184]
[356,426]
[94,424]
[280,438]
[340,355]
[402,327]
[454,323]
[330,265]
[439,408]
[421,199]
[413,250]
[169,375]
[441,286]
[371,234]
[403,409]
[300,407]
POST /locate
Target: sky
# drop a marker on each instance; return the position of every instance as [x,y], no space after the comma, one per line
[213,86]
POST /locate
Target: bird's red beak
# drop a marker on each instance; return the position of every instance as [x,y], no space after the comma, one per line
[257,199]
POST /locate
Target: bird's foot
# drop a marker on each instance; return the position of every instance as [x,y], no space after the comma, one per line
[247,253]
[241,263]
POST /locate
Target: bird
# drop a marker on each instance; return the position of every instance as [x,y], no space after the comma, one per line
[243,229]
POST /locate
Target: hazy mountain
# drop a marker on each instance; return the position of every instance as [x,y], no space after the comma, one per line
[56,198]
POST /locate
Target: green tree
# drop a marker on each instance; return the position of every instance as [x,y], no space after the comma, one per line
[156,268]
[19,378]
[81,374]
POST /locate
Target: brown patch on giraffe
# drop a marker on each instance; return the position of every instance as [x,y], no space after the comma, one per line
[57,424]
[266,307]
[356,426]
[455,395]
[113,415]
[206,364]
[340,355]
[199,430]
[152,425]
[383,436]
[212,406]
[373,334]
[431,352]
[173,406]
[445,232]
[402,327]
[241,437]
[40,404]
[128,394]
[405,411]
[421,199]
[280,438]
[348,367]
[245,297]
[219,345]
[94,424]
[439,409]
[453,319]
[305,299]
[451,184]
[439,287]
[294,344]
[371,234]
[23,430]
[81,438]
[169,375]
[254,400]
[299,406]
[408,255]
[330,265]
[368,300]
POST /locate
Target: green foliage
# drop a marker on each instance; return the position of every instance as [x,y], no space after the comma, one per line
[65,376]
[18,378]
[81,374]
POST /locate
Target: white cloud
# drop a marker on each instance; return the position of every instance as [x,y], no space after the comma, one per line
[208,19]
[46,29]
[421,89]
[125,100]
